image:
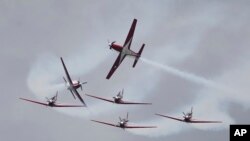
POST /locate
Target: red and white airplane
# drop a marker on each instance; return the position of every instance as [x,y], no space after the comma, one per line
[51,102]
[187,117]
[118,99]
[73,85]
[125,50]
[123,124]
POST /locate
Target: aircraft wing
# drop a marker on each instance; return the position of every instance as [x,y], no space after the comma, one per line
[67,73]
[127,102]
[171,117]
[62,105]
[130,34]
[41,103]
[110,124]
[108,100]
[55,105]
[191,121]
[129,126]
[79,96]
[118,61]
[200,121]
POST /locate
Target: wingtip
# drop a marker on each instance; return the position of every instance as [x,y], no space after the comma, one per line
[147,103]
[22,98]
[62,60]
[85,105]
[89,95]
[159,114]
[93,120]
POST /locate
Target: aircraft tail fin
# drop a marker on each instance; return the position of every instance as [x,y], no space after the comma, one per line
[138,55]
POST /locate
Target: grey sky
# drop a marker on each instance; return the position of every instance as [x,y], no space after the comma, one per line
[206,38]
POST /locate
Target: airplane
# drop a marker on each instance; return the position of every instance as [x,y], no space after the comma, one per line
[118,99]
[123,124]
[51,102]
[73,85]
[125,50]
[187,117]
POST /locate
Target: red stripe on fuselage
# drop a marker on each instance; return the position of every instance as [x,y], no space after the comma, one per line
[117,47]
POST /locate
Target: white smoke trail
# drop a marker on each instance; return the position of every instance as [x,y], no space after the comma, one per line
[212,103]
[45,78]
[188,76]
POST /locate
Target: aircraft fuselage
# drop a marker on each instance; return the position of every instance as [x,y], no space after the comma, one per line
[117,47]
[76,84]
[122,124]
[117,100]
[123,50]
[51,103]
[187,118]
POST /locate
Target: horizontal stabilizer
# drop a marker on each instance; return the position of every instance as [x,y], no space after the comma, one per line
[138,55]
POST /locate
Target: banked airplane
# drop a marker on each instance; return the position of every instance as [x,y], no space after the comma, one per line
[73,85]
[187,117]
[125,50]
[118,99]
[123,123]
[51,102]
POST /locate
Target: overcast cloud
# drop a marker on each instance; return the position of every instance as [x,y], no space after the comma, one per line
[196,55]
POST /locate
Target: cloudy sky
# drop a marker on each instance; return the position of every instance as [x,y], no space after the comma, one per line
[196,55]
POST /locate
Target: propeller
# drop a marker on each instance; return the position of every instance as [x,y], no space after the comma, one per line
[81,83]
[191,113]
[47,99]
[72,94]
[118,95]
[122,93]
[65,81]
[110,44]
[120,119]
[184,114]
[55,97]
[127,117]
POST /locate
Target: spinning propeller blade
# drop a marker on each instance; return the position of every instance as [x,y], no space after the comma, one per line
[127,117]
[122,93]
[47,99]
[65,81]
[110,44]
[73,94]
